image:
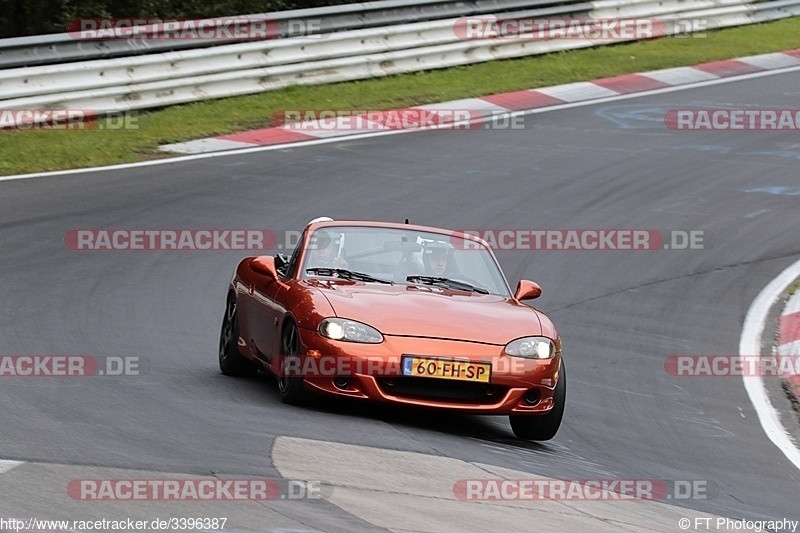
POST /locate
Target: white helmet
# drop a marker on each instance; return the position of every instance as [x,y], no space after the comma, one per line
[320,219]
[428,247]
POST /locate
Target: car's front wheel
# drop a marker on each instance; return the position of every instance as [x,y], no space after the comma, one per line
[231,361]
[543,427]
[291,388]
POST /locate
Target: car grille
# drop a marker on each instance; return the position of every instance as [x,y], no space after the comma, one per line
[442,389]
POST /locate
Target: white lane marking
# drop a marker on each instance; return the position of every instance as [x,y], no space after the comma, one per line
[750,344]
[5,466]
[315,142]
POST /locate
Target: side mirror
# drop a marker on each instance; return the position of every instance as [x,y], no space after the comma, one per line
[527,290]
[264,265]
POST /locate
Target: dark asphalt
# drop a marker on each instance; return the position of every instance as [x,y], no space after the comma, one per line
[611,165]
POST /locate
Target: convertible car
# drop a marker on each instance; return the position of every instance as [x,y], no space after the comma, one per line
[398,313]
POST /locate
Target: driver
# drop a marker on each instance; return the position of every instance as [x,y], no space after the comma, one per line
[326,251]
[437,257]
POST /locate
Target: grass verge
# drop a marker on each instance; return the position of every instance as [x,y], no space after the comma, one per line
[793,287]
[787,388]
[36,151]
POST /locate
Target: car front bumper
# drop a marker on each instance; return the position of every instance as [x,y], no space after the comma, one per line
[373,372]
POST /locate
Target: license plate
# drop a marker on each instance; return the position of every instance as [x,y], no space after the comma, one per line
[427,367]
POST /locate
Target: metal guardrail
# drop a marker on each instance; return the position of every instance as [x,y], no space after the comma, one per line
[143,82]
[92,75]
[65,47]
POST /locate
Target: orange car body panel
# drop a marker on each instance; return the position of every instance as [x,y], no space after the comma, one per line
[416,320]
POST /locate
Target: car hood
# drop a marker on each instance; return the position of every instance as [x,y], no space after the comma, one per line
[424,311]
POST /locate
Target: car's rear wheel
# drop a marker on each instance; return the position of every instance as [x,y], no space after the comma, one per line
[231,361]
[291,388]
[543,427]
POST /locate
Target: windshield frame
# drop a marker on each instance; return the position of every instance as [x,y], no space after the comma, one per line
[475,245]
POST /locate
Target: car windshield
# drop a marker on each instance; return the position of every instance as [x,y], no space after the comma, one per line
[403,257]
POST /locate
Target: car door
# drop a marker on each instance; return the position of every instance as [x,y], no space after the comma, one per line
[268,316]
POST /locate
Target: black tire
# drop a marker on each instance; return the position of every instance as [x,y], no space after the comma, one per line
[231,361]
[543,427]
[290,388]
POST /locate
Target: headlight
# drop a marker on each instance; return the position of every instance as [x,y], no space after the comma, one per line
[531,348]
[341,329]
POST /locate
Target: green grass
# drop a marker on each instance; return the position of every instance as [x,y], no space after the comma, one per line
[34,151]
[792,398]
[793,287]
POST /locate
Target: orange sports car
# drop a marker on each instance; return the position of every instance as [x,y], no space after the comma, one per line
[396,313]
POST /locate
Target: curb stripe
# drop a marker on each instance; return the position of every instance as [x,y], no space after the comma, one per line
[731,67]
[772,61]
[680,76]
[268,136]
[750,343]
[631,83]
[522,100]
[576,92]
[789,339]
[202,146]
[789,349]
[473,104]
[790,328]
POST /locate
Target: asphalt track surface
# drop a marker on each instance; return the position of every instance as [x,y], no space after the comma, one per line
[609,165]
